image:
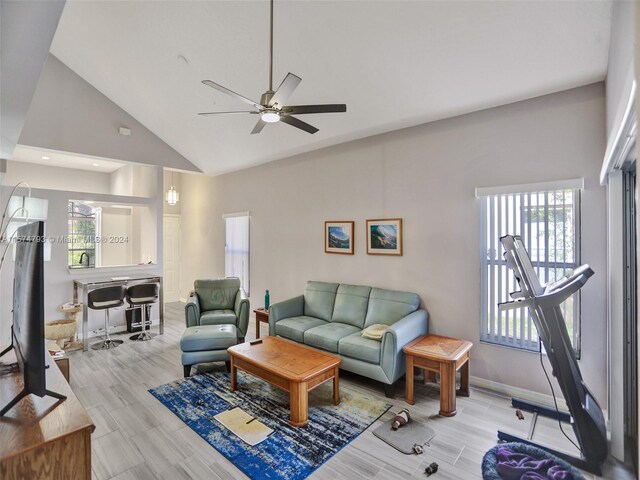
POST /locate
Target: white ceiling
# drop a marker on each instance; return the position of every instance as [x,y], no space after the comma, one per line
[27,154]
[394,63]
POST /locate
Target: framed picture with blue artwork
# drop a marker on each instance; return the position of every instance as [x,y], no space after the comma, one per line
[384,236]
[338,237]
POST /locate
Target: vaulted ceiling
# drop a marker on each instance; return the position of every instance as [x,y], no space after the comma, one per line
[394,63]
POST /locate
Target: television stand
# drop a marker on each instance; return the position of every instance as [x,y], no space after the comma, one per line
[24,392]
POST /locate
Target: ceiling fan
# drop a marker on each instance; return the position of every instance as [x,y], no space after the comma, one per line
[272,106]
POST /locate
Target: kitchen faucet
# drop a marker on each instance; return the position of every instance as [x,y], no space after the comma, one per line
[83,255]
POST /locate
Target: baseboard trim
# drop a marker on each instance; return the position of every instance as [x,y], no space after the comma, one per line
[521,393]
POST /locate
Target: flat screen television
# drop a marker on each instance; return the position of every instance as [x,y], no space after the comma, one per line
[27,329]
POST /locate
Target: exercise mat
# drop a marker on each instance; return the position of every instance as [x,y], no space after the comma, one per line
[404,438]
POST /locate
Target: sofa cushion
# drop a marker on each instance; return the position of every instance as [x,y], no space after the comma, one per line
[319,298]
[327,336]
[361,348]
[208,337]
[217,294]
[293,328]
[389,306]
[218,317]
[351,304]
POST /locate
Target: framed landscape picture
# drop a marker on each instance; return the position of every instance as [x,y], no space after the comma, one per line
[384,236]
[338,237]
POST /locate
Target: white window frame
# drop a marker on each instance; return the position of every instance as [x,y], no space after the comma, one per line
[516,329]
[237,262]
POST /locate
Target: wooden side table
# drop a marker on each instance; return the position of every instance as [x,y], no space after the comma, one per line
[262,315]
[443,355]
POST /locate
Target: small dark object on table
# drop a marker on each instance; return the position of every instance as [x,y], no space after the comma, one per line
[431,469]
[519,414]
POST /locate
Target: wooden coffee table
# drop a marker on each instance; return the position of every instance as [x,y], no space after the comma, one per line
[294,368]
[444,355]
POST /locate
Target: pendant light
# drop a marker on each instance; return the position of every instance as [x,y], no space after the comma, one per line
[173,196]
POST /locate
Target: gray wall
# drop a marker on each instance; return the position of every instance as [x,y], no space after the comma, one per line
[69,115]
[426,175]
[23,57]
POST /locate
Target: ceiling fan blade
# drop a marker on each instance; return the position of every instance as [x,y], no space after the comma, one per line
[284,91]
[259,126]
[231,93]
[302,109]
[294,122]
[225,113]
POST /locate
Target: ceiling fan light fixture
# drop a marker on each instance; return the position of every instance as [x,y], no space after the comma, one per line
[270,116]
[273,107]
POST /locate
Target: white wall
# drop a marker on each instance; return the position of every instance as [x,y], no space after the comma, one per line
[620,70]
[135,181]
[122,181]
[426,175]
[145,244]
[56,178]
[117,222]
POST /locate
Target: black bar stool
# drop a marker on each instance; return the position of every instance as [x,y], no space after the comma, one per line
[143,295]
[104,299]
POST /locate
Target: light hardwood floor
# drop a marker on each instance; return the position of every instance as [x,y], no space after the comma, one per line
[136,437]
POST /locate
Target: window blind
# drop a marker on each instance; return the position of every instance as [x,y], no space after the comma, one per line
[548,222]
[236,249]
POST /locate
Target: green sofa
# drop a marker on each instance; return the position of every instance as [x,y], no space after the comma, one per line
[331,317]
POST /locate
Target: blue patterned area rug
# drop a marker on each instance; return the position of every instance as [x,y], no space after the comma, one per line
[290,453]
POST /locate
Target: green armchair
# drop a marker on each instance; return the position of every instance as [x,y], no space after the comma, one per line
[218,302]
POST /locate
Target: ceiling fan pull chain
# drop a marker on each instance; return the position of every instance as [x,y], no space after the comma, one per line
[271,49]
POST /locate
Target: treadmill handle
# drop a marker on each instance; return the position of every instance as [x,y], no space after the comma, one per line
[560,294]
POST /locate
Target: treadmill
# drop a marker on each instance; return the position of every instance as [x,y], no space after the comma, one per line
[543,302]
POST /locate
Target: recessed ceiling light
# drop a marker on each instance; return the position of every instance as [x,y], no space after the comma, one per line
[44,157]
[96,164]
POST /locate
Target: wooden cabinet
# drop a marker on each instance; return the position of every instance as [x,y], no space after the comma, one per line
[42,438]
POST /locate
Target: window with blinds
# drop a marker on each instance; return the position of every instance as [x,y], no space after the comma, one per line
[236,248]
[548,223]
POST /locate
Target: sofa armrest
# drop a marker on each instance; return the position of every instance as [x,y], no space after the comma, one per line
[396,337]
[294,307]
[241,309]
[192,310]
